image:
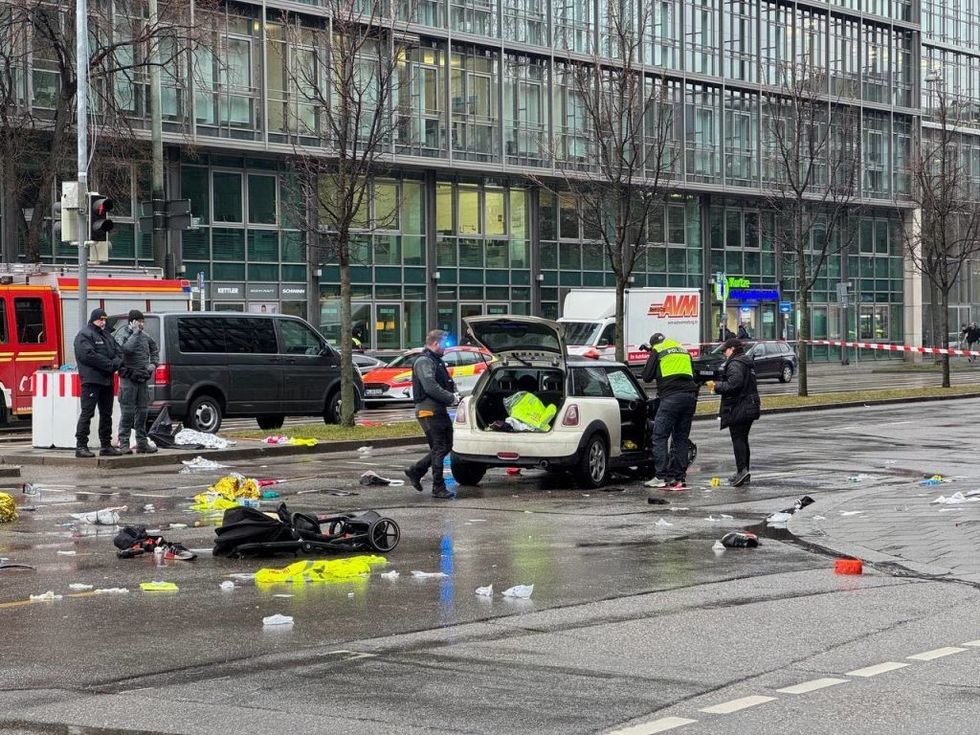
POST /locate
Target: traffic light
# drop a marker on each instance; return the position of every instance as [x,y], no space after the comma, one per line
[64,222]
[99,209]
[56,215]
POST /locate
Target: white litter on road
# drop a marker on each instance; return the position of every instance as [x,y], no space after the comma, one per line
[227,585]
[851,512]
[277,620]
[79,587]
[520,591]
[200,464]
[112,591]
[664,524]
[393,574]
[187,437]
[485,591]
[48,596]
[427,575]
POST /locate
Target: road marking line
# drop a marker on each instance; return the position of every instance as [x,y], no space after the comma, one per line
[648,728]
[877,669]
[811,686]
[974,644]
[936,653]
[736,704]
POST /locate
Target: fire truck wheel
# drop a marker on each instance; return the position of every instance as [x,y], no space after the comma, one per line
[204,414]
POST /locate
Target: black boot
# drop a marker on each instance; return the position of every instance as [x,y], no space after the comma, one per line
[110,451]
[83,452]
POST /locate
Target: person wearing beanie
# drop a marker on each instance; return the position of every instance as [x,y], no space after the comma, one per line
[740,405]
[98,358]
[140,358]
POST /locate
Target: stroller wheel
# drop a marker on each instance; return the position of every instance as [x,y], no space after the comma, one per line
[307,547]
[383,534]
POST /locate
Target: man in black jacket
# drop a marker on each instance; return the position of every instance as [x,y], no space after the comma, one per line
[971,335]
[98,359]
[433,391]
[140,357]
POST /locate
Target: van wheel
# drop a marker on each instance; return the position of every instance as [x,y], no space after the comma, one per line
[786,374]
[331,415]
[466,473]
[593,465]
[204,414]
[270,421]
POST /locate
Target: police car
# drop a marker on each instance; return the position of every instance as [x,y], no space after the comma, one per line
[393,382]
[600,423]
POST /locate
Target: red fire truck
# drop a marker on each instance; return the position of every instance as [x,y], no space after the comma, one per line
[39,316]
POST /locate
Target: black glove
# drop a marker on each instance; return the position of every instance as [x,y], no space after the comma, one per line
[116,363]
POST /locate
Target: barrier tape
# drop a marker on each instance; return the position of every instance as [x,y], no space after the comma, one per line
[894,348]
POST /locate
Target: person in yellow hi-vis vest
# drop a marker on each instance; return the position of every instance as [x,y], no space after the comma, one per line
[677,398]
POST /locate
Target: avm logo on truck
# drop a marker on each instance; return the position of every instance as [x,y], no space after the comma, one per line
[675,306]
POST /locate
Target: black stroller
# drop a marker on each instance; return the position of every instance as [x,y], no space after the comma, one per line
[246,531]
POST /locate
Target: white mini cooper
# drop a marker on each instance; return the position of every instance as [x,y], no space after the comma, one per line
[600,426]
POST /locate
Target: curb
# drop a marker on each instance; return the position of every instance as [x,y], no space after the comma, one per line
[170,456]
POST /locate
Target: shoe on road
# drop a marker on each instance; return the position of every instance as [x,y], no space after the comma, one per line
[110,452]
[443,493]
[414,480]
[741,478]
[677,485]
[84,453]
[658,482]
[178,552]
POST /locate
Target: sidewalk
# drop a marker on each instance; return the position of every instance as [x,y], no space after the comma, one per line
[898,525]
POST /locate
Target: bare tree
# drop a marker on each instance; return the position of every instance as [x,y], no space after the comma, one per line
[616,158]
[346,85]
[38,86]
[943,232]
[811,160]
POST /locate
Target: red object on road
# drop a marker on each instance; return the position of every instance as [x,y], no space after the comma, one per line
[513,470]
[848,566]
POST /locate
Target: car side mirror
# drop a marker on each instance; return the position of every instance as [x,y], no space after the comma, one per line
[603,342]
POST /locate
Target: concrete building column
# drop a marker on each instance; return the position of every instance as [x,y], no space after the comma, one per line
[431,269]
[912,296]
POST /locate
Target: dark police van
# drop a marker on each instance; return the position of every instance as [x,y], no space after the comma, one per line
[228,364]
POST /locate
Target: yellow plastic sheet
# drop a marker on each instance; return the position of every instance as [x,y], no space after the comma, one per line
[300,442]
[158,586]
[236,486]
[212,501]
[333,570]
[8,511]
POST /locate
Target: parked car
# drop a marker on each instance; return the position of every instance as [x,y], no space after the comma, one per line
[393,382]
[264,366]
[365,363]
[600,424]
[772,360]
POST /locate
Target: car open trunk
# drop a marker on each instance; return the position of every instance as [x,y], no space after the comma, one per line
[548,384]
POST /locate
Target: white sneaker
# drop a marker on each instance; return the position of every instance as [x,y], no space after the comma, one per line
[657,482]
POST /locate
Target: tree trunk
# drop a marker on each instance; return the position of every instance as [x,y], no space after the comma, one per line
[620,321]
[934,325]
[347,395]
[944,335]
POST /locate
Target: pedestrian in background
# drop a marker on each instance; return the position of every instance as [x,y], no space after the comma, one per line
[677,398]
[743,331]
[98,357]
[433,392]
[140,357]
[971,335]
[724,332]
[740,405]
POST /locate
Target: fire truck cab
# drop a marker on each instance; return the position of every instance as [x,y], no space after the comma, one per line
[39,317]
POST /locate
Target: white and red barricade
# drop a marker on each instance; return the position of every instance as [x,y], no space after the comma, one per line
[56,406]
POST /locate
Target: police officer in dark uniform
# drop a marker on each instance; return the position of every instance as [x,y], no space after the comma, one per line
[433,391]
[677,397]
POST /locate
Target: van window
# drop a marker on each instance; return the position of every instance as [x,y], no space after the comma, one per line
[204,334]
[29,315]
[250,336]
[299,339]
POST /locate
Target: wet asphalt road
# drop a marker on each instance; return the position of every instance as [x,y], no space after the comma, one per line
[631,624]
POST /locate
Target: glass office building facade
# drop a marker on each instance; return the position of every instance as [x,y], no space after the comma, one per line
[487,107]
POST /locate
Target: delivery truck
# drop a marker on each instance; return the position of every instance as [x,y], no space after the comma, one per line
[589,320]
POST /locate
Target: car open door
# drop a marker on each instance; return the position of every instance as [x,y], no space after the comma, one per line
[519,338]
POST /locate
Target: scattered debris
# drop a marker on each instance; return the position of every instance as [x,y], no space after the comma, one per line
[740,540]
[373,478]
[393,574]
[277,620]
[717,546]
[79,587]
[858,478]
[936,480]
[851,512]
[664,524]
[848,566]
[280,440]
[48,596]
[520,591]
[158,586]
[67,553]
[227,585]
[189,437]
[341,493]
[715,482]
[427,575]
[485,591]
[112,591]
[333,570]
[104,517]
[658,501]
[200,464]
[955,498]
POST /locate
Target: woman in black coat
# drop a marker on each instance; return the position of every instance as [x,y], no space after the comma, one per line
[739,405]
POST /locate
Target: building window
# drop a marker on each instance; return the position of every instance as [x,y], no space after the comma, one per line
[261,200]
[227,196]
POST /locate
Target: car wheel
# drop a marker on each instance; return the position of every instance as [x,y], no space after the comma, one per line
[786,374]
[204,414]
[270,421]
[466,473]
[331,414]
[593,465]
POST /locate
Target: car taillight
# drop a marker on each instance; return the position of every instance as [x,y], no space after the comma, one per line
[461,413]
[571,416]
[161,376]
